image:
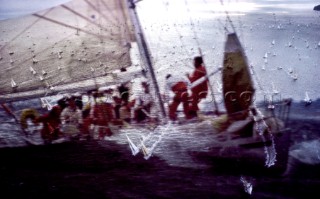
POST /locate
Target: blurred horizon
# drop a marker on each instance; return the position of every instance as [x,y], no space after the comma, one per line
[16,8]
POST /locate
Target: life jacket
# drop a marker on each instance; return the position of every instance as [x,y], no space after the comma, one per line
[51,125]
[28,114]
[103,113]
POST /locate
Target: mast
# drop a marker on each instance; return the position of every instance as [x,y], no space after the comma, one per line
[144,50]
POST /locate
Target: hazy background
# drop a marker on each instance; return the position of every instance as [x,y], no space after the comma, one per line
[15,8]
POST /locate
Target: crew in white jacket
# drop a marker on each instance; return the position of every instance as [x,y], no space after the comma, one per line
[71,118]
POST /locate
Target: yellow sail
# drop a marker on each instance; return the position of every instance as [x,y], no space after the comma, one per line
[238,87]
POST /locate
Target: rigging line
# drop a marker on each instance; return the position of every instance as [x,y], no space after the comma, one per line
[193,27]
[211,89]
[257,80]
[192,24]
[228,17]
[180,38]
[82,16]
[70,26]
[24,30]
[76,18]
[145,51]
[100,29]
[240,25]
[156,57]
[141,59]
[226,24]
[159,41]
[110,11]
[184,47]
[105,17]
[200,52]
[219,21]
[125,30]
[10,112]
[98,9]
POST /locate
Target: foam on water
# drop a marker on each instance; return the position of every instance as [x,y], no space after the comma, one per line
[307,152]
[168,142]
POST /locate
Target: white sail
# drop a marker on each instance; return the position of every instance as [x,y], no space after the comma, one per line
[77,35]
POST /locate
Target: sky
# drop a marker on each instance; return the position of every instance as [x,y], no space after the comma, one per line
[16,8]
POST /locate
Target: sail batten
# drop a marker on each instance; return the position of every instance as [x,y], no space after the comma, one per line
[66,42]
[50,89]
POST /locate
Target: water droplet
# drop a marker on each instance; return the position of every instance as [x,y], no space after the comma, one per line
[32,70]
[34,60]
[13,84]
[265,55]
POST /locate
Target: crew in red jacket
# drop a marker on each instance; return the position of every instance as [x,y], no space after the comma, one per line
[179,86]
[102,113]
[200,91]
[51,125]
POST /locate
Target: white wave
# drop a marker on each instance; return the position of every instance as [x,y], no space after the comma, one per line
[307,152]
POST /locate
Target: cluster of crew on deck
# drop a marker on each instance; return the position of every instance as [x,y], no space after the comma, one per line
[179,85]
[74,117]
